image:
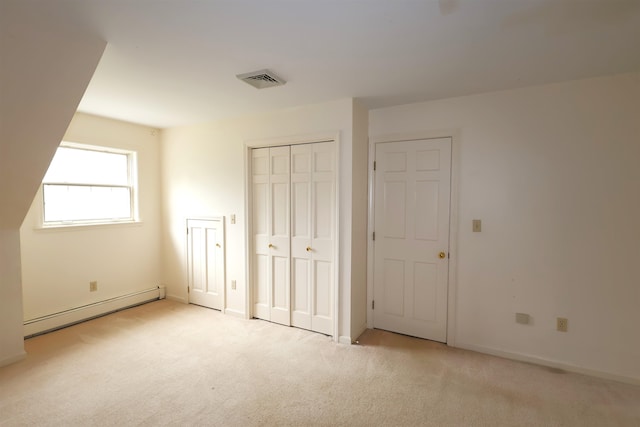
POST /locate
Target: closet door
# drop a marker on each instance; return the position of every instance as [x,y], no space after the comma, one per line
[271,230]
[312,236]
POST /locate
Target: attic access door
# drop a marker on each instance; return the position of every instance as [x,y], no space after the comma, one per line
[411,248]
[205,259]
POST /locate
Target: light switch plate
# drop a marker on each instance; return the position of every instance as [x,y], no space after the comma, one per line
[477,225]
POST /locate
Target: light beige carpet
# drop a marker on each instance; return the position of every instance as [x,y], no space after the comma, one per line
[166,363]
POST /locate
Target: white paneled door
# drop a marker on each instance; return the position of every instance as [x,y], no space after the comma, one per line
[205,259]
[294,227]
[271,232]
[312,236]
[411,259]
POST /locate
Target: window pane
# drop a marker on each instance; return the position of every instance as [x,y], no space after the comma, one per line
[72,165]
[84,203]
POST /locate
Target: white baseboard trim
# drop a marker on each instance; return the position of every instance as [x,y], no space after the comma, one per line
[550,363]
[177,299]
[235,313]
[13,359]
[345,340]
[72,316]
[359,331]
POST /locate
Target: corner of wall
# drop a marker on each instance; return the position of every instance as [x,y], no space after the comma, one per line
[11,341]
[359,218]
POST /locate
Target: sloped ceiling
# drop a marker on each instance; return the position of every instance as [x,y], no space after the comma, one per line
[45,68]
[172,63]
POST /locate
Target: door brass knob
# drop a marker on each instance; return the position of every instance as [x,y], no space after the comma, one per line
[270,245]
[218,245]
[308,248]
[442,255]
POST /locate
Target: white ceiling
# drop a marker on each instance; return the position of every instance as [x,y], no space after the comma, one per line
[172,63]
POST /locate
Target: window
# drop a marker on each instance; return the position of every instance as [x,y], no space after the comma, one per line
[88,185]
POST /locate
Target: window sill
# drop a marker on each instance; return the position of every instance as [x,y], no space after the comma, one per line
[87,226]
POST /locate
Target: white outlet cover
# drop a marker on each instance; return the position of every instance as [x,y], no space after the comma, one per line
[522,318]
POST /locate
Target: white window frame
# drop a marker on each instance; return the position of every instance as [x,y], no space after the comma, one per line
[132,185]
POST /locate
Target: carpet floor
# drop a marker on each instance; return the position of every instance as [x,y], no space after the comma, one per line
[166,363]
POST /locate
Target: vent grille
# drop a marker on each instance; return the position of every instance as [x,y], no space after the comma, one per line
[261,79]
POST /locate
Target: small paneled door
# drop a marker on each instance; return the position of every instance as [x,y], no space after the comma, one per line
[205,259]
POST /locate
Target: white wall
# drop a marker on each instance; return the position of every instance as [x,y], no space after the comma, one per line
[58,264]
[360,202]
[552,172]
[203,175]
[11,343]
[46,67]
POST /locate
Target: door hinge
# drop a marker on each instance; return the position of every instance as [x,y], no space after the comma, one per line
[188,290]
[374,165]
[374,236]
[373,304]
[187,230]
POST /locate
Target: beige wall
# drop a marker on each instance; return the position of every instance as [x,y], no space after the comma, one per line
[58,264]
[203,173]
[44,74]
[360,199]
[552,172]
[11,343]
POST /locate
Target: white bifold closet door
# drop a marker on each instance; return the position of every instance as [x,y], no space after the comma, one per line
[294,285]
[271,231]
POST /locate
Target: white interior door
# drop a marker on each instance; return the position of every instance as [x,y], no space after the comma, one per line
[412,198]
[205,258]
[271,231]
[312,236]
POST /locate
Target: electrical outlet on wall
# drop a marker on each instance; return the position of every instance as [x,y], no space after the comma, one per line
[93,286]
[562,324]
[233,285]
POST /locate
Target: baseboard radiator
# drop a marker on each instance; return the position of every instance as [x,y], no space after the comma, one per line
[51,322]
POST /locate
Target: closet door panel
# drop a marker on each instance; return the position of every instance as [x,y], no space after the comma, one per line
[301,236]
[279,235]
[323,236]
[260,224]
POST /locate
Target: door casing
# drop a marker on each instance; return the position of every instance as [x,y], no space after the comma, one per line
[453,220]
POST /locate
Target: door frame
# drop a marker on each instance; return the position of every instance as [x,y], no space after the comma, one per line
[248,209]
[452,289]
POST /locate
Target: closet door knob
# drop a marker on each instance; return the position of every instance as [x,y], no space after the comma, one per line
[270,245]
[218,245]
[308,248]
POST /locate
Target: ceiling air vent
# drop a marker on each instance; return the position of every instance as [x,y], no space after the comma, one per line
[261,79]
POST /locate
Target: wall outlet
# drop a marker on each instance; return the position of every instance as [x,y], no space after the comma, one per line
[93,286]
[233,218]
[233,285]
[562,324]
[522,318]
[476,225]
